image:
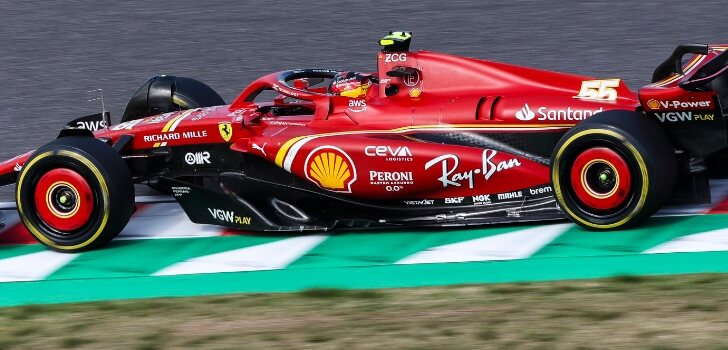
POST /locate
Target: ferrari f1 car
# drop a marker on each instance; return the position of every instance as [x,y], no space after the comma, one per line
[429,139]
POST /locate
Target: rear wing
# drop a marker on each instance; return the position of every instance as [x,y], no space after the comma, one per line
[673,64]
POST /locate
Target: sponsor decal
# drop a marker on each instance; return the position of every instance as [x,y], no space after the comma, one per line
[158,118]
[525,113]
[91,125]
[412,79]
[226,130]
[449,164]
[357,105]
[330,168]
[390,177]
[259,148]
[454,200]
[415,92]
[203,112]
[126,125]
[285,91]
[174,136]
[389,153]
[654,104]
[510,195]
[684,116]
[197,158]
[180,191]
[272,121]
[229,216]
[420,202]
[237,112]
[395,57]
[567,114]
[551,114]
[540,190]
[599,90]
[481,199]
[18,167]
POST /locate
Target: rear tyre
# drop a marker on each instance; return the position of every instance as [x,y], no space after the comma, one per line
[75,194]
[166,93]
[613,170]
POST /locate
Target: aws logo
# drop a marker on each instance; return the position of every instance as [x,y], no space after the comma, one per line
[330,168]
[357,105]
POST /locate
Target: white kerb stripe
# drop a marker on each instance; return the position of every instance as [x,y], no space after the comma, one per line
[270,256]
[507,246]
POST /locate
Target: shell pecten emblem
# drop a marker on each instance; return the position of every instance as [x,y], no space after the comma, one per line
[330,168]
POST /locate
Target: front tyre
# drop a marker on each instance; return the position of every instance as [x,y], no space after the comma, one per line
[75,194]
[613,170]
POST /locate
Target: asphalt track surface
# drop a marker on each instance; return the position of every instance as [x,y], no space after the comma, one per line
[52,53]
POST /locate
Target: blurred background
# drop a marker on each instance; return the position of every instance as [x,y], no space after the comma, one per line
[52,53]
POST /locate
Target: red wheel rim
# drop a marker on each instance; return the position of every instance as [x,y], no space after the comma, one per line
[601,179]
[64,199]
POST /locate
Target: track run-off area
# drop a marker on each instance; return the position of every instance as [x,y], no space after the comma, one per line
[162,254]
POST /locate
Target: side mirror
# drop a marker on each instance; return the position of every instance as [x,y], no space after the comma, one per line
[402,72]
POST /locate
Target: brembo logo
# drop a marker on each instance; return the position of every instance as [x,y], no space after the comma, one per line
[197,158]
[525,113]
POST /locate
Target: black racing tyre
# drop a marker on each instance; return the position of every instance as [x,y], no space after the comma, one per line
[75,194]
[613,170]
[166,93]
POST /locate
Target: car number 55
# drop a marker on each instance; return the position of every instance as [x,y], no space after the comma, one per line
[602,90]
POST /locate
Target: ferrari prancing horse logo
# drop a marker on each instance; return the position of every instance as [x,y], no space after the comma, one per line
[226,130]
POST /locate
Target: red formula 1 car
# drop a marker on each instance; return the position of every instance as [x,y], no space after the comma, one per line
[428,139]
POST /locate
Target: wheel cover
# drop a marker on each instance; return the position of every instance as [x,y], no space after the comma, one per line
[601,179]
[64,199]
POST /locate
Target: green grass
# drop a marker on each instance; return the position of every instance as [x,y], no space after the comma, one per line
[672,312]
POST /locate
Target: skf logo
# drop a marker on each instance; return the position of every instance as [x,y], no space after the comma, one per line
[197,158]
[454,200]
[653,104]
[330,168]
[226,130]
[525,113]
[357,105]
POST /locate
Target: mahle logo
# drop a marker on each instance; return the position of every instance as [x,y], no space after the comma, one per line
[525,113]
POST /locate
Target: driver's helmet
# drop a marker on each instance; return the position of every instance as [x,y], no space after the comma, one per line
[349,84]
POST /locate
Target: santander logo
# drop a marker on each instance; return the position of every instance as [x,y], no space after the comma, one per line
[525,113]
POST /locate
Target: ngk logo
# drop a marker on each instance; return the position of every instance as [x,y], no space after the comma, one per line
[197,158]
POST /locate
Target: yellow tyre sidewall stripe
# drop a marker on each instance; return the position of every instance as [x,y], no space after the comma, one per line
[104,193]
[635,154]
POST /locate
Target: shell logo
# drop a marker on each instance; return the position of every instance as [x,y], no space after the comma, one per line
[330,168]
[653,104]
